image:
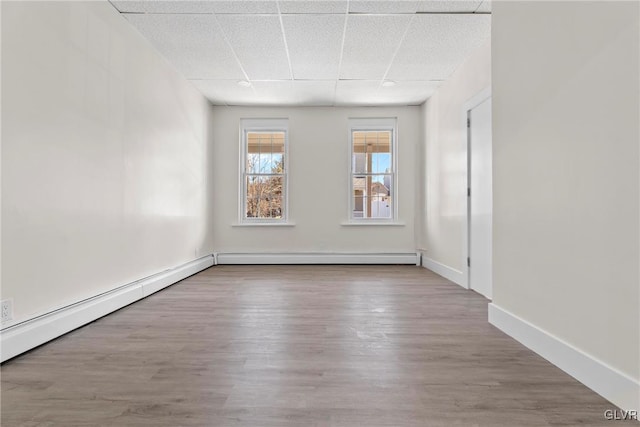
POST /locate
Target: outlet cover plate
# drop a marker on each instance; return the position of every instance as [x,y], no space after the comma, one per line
[6,310]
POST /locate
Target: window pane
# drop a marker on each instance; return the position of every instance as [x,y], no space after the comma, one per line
[253,163]
[359,202]
[371,152]
[264,197]
[277,163]
[359,163]
[380,192]
[381,163]
[372,196]
[266,151]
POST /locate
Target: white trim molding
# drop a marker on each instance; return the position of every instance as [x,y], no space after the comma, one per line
[470,104]
[477,99]
[615,386]
[456,276]
[371,223]
[264,224]
[316,258]
[24,336]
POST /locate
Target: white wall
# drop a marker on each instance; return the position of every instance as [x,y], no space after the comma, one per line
[566,173]
[104,151]
[318,183]
[442,208]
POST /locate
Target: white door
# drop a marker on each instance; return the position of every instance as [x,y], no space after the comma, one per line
[480,198]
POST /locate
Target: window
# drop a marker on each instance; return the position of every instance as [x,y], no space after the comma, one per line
[264,171]
[373,170]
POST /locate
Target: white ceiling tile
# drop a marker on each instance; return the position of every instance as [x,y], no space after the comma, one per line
[370,43]
[220,92]
[372,93]
[194,44]
[313,6]
[383,6]
[228,92]
[257,41]
[314,43]
[290,92]
[437,44]
[185,6]
[409,92]
[315,92]
[485,7]
[280,92]
[274,93]
[131,6]
[357,92]
[448,5]
[245,6]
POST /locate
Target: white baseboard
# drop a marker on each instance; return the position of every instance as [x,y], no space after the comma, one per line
[315,258]
[29,334]
[447,272]
[619,388]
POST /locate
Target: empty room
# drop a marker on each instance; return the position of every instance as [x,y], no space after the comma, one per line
[320,213]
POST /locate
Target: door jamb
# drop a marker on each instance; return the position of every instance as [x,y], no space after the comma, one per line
[471,103]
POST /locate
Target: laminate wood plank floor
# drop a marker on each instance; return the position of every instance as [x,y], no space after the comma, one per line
[300,346]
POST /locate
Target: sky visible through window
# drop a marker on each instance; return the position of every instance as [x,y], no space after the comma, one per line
[381,163]
[264,162]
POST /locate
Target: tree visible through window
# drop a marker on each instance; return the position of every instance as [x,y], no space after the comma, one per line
[264,175]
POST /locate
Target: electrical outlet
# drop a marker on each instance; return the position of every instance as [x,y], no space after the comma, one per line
[6,310]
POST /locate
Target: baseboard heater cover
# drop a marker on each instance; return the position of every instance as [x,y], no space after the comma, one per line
[316,258]
[16,339]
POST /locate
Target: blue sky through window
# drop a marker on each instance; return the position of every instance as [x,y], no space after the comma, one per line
[380,162]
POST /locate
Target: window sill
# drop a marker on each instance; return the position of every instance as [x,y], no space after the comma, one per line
[372,223]
[263,224]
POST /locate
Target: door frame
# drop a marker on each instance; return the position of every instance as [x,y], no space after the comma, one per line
[471,103]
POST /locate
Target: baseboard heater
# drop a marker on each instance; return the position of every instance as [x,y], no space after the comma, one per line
[21,337]
[317,258]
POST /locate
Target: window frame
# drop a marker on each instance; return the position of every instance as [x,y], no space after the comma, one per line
[262,125]
[374,125]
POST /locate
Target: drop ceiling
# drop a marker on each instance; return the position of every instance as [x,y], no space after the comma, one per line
[313,52]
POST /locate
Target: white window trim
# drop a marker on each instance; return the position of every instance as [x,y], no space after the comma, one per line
[262,125]
[363,124]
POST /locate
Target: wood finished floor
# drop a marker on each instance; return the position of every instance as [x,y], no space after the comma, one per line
[300,346]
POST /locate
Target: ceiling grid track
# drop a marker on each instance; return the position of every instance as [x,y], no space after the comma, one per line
[393,58]
[284,38]
[344,36]
[235,55]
